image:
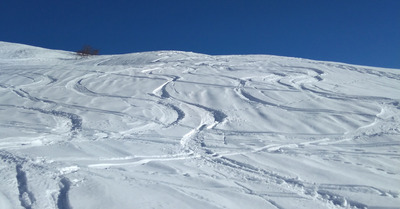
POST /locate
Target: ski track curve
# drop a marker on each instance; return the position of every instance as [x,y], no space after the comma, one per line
[82,89]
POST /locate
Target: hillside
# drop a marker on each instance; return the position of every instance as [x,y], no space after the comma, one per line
[171,129]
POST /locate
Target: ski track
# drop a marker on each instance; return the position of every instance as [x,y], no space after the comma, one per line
[80,88]
[251,192]
[62,200]
[27,174]
[303,189]
[206,112]
[25,196]
[250,98]
[76,121]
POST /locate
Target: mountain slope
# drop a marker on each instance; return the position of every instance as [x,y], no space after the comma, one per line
[174,129]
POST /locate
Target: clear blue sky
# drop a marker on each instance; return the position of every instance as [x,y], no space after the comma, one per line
[365,32]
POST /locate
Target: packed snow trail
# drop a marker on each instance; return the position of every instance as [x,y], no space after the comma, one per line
[173,129]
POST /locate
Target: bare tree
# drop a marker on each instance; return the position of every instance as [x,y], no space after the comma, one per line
[87,50]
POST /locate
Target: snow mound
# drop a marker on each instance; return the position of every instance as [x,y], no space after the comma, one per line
[21,52]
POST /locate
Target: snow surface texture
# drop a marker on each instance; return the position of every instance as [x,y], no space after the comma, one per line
[174,129]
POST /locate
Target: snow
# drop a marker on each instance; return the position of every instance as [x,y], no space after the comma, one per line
[172,129]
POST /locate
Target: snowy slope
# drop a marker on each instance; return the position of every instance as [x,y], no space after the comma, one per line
[173,129]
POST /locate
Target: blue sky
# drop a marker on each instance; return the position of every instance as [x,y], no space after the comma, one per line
[365,32]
